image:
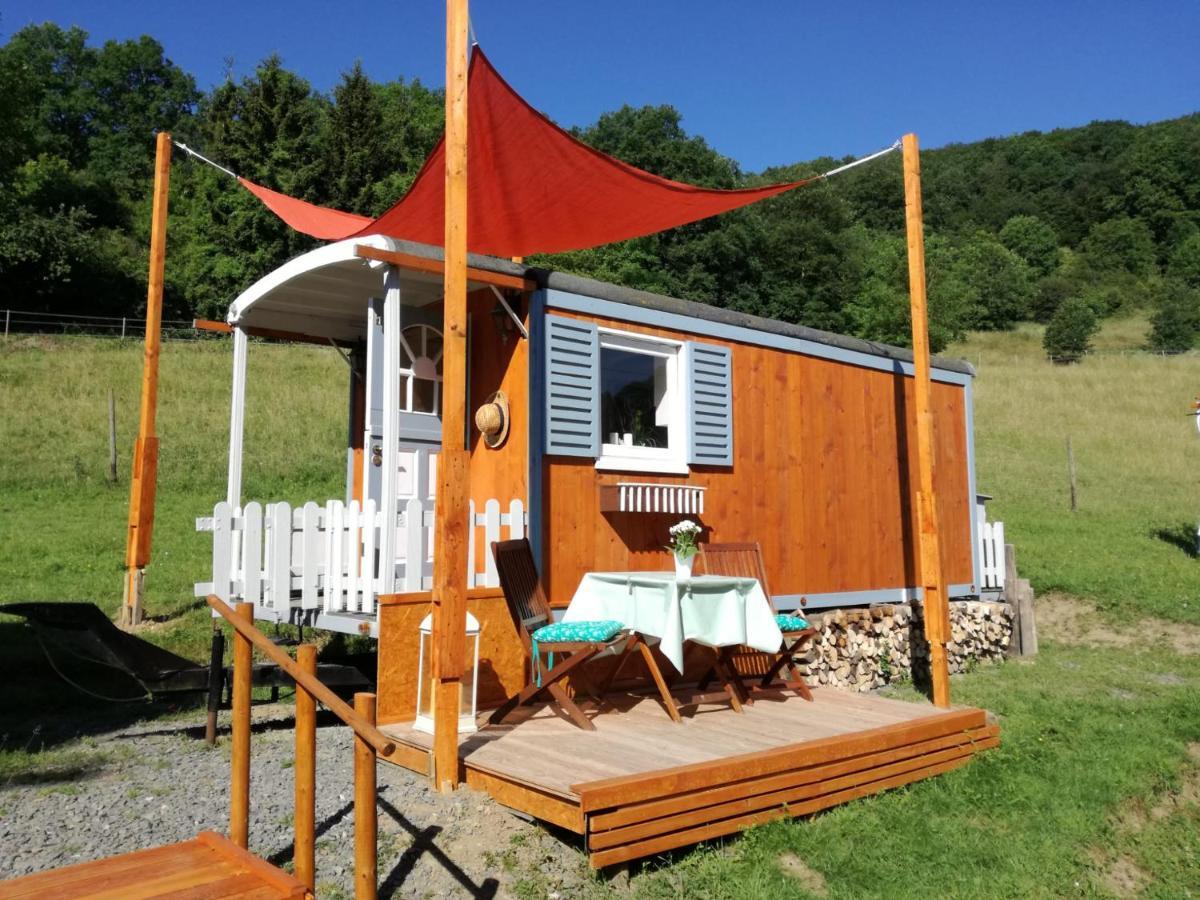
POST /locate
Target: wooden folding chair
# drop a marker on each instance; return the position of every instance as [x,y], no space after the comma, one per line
[745,560]
[531,615]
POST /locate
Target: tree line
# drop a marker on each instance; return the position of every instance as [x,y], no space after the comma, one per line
[1077,223]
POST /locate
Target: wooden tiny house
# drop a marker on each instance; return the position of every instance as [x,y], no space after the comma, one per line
[626,412]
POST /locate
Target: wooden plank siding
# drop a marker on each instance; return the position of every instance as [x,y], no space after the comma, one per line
[821,477]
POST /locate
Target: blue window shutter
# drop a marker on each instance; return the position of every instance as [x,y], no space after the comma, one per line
[572,387]
[709,383]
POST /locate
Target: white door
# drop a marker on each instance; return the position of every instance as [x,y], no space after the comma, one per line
[416,479]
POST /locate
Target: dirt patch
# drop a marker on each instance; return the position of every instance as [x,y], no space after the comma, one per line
[1070,621]
[1124,878]
[808,878]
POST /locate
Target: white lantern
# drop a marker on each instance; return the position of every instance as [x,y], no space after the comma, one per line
[470,678]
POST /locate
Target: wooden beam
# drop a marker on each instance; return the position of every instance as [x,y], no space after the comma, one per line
[276,334]
[932,575]
[145,454]
[450,520]
[416,263]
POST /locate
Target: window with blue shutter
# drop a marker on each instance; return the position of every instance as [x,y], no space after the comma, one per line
[572,387]
[709,381]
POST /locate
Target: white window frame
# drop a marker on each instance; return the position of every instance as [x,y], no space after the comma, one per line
[669,460]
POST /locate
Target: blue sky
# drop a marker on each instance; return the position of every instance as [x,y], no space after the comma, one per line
[767,83]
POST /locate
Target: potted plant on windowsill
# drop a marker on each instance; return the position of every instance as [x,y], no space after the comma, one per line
[683,547]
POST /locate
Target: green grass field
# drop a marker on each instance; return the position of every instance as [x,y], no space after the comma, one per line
[1093,792]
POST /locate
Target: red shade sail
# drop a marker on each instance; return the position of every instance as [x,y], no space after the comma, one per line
[532,188]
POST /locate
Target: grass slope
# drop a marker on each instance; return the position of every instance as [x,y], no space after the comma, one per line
[1128,548]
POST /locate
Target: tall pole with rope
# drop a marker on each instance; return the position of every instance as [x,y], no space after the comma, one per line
[932,576]
[453,492]
[143,484]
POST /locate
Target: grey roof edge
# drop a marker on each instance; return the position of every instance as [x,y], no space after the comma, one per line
[615,293]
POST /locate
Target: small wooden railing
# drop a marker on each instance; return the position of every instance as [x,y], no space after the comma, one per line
[369,742]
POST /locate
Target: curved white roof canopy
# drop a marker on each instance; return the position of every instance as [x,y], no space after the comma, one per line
[324,293]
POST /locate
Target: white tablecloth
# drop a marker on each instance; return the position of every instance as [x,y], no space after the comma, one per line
[716,610]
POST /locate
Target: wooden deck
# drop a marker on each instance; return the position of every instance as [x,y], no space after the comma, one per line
[208,866]
[640,784]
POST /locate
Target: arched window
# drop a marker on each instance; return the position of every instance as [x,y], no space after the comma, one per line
[421,370]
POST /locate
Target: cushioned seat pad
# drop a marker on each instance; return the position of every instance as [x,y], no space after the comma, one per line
[788,623]
[597,631]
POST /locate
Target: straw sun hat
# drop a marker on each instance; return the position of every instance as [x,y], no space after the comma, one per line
[492,419]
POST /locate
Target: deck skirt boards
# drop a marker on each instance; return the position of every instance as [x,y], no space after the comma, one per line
[640,784]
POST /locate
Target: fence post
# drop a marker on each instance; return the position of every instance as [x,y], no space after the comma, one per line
[365,870]
[122,328]
[239,794]
[7,316]
[112,437]
[304,853]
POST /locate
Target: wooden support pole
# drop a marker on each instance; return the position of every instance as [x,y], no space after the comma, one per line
[145,452]
[305,769]
[453,494]
[216,679]
[239,791]
[932,577]
[366,874]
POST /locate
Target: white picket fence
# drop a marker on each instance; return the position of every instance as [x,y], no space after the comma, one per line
[991,553]
[326,559]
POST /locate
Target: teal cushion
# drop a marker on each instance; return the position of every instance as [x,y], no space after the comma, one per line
[790,623]
[598,632]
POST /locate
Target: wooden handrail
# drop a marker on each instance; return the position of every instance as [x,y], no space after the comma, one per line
[364,729]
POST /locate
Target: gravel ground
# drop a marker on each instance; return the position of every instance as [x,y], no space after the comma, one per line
[157,783]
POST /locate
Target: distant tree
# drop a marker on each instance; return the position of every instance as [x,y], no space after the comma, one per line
[413,117]
[1032,240]
[1185,261]
[1121,244]
[1175,323]
[1049,294]
[993,284]
[355,135]
[653,138]
[1069,335]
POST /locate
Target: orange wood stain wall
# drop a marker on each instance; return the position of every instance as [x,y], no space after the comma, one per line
[498,365]
[821,477]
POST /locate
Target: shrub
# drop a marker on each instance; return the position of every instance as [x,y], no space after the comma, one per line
[1176,320]
[1069,334]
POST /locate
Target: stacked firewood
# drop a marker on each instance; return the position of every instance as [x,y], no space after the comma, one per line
[865,648]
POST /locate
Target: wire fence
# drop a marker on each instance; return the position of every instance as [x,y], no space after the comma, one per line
[24,322]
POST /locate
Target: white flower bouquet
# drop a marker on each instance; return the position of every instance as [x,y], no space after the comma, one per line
[684,539]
